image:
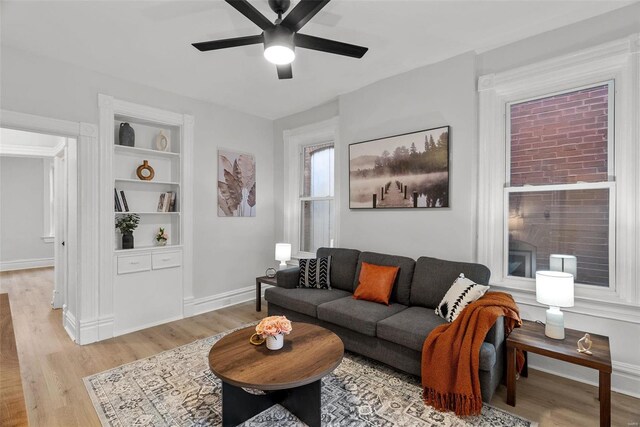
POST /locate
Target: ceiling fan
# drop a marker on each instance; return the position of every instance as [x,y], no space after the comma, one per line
[281,37]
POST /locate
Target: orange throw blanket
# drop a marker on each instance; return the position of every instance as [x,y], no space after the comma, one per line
[451,354]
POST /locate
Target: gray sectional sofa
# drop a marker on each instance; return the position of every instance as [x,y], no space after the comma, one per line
[391,334]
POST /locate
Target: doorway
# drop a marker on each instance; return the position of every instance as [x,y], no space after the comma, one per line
[38,191]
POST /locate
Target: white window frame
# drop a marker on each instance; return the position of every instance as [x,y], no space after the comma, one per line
[617,61]
[609,184]
[294,141]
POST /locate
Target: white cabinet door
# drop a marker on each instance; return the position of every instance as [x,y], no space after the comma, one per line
[134,263]
[146,298]
[162,260]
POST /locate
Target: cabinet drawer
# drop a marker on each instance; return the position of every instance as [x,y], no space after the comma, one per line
[166,260]
[134,263]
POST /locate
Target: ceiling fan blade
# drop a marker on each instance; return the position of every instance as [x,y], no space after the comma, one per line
[329,46]
[284,71]
[302,13]
[245,8]
[225,43]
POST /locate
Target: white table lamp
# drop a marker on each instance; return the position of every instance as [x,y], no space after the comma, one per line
[555,289]
[283,254]
[566,263]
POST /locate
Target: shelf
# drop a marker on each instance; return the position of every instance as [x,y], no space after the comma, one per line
[146,249]
[139,181]
[144,151]
[148,213]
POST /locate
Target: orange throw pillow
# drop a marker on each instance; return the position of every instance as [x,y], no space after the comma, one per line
[375,283]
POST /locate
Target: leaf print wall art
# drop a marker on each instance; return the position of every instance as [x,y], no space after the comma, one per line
[236,184]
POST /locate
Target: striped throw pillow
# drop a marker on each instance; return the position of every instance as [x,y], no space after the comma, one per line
[314,273]
[462,293]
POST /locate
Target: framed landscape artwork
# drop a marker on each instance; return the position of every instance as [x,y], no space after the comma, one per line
[236,184]
[402,171]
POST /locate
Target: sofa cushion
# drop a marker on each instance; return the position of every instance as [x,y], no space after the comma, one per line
[409,327]
[303,300]
[412,326]
[375,283]
[343,266]
[314,273]
[402,288]
[357,315]
[462,293]
[433,277]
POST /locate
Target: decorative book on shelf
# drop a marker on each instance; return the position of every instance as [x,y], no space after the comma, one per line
[167,202]
[124,201]
[117,206]
[120,201]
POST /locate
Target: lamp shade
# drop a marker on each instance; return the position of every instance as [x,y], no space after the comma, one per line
[283,252]
[554,288]
[566,263]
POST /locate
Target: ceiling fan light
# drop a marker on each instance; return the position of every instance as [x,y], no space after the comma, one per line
[279,55]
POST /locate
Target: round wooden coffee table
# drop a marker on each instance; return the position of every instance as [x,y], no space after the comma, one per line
[289,376]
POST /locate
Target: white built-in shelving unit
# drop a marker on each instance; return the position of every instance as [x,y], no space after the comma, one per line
[149,284]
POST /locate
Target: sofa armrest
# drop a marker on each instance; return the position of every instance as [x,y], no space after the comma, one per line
[495,335]
[288,278]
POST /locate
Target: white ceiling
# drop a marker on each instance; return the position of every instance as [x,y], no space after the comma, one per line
[148,42]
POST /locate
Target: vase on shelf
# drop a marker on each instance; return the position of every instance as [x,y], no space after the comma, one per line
[126,135]
[127,240]
[145,172]
[275,342]
[161,243]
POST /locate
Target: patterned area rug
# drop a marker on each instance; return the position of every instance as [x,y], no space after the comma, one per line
[176,388]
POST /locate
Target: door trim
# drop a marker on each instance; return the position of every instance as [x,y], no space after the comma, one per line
[81,298]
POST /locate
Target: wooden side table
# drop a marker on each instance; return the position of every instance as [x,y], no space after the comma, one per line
[259,281]
[531,337]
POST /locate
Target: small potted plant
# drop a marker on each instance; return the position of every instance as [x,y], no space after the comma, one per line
[161,237]
[273,329]
[126,224]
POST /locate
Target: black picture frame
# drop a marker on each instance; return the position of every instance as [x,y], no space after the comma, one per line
[404,171]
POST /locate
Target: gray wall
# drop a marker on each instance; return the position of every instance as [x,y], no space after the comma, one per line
[22,210]
[428,97]
[432,96]
[228,252]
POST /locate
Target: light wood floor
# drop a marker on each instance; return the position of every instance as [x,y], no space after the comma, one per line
[52,366]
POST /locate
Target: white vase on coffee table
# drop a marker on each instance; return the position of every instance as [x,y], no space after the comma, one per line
[275,342]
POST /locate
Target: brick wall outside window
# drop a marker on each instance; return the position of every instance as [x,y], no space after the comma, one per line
[560,139]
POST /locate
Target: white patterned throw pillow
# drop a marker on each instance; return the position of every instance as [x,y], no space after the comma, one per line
[462,293]
[315,273]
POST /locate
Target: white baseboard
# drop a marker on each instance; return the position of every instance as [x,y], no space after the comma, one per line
[188,307]
[89,331]
[56,299]
[105,327]
[625,377]
[69,323]
[23,264]
[225,299]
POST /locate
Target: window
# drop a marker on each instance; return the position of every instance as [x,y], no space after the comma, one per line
[559,184]
[558,176]
[311,197]
[316,201]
